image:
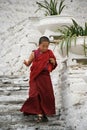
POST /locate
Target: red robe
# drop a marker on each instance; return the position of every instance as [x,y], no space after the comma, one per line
[41,97]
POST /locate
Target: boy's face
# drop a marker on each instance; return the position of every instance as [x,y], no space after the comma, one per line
[44,46]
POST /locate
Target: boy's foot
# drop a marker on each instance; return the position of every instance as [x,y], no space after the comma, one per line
[45,118]
[26,114]
[42,118]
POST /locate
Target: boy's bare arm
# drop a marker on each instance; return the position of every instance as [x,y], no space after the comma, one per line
[29,61]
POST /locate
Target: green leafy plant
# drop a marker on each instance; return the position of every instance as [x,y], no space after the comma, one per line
[50,8]
[71,33]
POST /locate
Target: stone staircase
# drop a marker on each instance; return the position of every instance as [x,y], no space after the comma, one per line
[13,92]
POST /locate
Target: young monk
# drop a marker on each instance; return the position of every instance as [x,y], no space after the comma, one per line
[41,101]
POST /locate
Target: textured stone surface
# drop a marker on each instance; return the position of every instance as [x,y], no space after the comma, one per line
[18,37]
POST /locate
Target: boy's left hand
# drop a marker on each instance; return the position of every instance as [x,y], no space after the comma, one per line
[52,60]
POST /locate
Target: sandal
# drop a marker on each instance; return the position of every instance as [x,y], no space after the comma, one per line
[42,119]
[26,114]
[45,118]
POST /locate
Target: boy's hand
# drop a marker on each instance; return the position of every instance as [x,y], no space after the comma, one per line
[29,61]
[52,60]
[26,63]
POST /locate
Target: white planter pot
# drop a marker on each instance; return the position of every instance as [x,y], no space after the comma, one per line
[64,54]
[77,49]
[53,23]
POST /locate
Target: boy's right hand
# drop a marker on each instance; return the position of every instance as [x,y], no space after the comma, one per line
[26,63]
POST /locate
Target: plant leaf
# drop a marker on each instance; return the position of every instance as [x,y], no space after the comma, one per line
[50,8]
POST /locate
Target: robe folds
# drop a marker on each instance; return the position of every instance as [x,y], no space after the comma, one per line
[41,98]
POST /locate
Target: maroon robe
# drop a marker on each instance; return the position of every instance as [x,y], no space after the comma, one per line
[41,96]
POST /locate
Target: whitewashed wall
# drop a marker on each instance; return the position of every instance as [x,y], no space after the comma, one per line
[17,32]
[17,18]
[74,95]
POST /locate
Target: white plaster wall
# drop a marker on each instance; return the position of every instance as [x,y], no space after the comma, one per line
[74,94]
[17,32]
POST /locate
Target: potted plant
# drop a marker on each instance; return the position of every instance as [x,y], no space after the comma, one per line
[53,15]
[74,39]
[50,8]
